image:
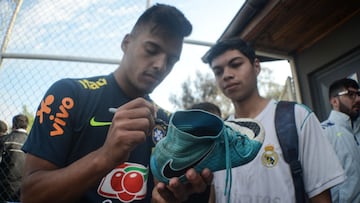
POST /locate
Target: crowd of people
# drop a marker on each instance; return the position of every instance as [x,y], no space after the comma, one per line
[79,151]
[12,158]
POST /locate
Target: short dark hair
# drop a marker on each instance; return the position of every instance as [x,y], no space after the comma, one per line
[165,17]
[340,85]
[3,127]
[230,44]
[207,106]
[20,121]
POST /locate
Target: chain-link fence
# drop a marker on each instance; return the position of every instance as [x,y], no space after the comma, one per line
[43,41]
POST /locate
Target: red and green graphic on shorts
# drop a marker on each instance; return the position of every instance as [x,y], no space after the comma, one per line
[127,183]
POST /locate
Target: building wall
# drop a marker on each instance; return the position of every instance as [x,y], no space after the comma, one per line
[333,57]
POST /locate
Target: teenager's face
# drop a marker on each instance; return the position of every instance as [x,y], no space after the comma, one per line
[235,75]
[148,58]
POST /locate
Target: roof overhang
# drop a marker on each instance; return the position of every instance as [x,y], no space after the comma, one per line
[279,29]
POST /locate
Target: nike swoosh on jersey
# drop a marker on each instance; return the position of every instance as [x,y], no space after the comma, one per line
[95,123]
[170,172]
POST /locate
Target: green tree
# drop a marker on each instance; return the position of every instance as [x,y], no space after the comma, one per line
[267,85]
[204,88]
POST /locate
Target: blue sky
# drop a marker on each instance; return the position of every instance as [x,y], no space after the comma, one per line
[69,27]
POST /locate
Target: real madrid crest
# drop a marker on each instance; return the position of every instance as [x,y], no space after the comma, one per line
[159,130]
[269,158]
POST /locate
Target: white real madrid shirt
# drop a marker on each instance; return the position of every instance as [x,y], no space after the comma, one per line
[268,178]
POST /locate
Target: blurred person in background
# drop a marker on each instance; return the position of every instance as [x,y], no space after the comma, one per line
[3,128]
[207,106]
[13,159]
[342,130]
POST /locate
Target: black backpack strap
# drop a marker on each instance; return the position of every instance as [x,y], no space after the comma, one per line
[288,138]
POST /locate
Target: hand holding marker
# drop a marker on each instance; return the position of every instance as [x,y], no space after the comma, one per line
[158,121]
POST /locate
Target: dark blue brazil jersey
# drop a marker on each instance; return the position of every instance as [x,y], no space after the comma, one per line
[73,119]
